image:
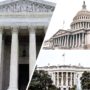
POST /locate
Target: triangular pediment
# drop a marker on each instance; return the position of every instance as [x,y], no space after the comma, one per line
[61,32]
[26,6]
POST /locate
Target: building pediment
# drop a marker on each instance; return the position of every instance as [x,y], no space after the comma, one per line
[60,32]
[26,6]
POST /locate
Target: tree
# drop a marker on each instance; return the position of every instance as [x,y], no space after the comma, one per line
[85,80]
[41,81]
[73,88]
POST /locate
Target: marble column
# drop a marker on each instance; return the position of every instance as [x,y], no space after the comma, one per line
[76,25]
[32,50]
[65,41]
[54,78]
[76,41]
[56,40]
[58,79]
[83,38]
[53,41]
[83,24]
[79,40]
[71,79]
[62,79]
[13,83]
[1,61]
[45,29]
[68,41]
[60,41]
[80,25]
[75,78]
[67,79]
[73,41]
[88,25]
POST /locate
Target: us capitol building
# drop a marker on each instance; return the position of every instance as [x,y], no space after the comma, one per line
[65,77]
[23,24]
[77,37]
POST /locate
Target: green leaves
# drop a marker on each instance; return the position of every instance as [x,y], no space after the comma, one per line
[85,80]
[41,81]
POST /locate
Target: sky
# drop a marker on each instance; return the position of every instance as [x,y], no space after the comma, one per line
[62,17]
[71,57]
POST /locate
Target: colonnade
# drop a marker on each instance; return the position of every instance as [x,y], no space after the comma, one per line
[64,80]
[14,56]
[80,25]
[69,41]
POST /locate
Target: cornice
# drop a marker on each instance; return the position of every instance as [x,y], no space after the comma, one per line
[38,1]
[26,15]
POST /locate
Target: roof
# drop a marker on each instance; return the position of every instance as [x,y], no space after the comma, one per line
[39,1]
[82,14]
[64,67]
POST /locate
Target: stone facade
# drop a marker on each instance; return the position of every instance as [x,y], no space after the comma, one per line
[23,24]
[78,37]
[65,76]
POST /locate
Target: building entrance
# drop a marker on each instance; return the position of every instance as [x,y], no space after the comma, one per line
[23,76]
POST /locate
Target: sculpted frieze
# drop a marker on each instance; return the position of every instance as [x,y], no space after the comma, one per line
[26,6]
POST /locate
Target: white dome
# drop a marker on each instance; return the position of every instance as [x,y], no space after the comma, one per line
[82,16]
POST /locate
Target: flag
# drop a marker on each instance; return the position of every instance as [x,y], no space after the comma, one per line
[63,54]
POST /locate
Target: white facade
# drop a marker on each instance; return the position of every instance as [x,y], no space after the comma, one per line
[65,76]
[48,44]
[23,24]
[78,36]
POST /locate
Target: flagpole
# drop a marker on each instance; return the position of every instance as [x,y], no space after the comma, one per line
[63,58]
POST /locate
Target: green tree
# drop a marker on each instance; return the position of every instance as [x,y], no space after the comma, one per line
[85,80]
[41,81]
[73,88]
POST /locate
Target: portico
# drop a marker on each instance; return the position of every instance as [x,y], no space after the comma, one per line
[19,48]
[77,37]
[23,24]
[68,40]
[65,77]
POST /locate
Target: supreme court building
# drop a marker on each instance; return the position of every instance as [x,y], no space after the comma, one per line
[77,37]
[23,24]
[65,77]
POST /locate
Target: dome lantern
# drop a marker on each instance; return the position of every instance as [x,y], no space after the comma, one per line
[84,5]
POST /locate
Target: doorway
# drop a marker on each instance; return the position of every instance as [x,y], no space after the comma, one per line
[23,76]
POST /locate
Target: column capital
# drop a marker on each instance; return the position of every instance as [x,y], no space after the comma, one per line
[1,29]
[32,28]
[15,29]
[45,28]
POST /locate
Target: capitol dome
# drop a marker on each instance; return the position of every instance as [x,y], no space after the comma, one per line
[82,19]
